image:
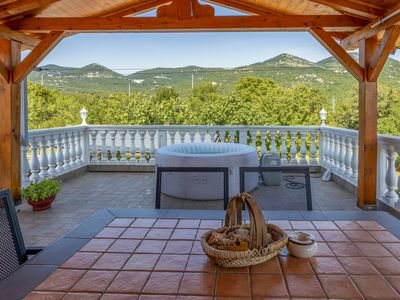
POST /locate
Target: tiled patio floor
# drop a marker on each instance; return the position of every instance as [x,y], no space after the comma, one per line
[89,192]
[163,259]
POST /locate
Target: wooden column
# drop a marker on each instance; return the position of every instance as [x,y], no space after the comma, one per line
[10,106]
[367,139]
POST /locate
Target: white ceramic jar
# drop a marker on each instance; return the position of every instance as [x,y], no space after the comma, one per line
[302,244]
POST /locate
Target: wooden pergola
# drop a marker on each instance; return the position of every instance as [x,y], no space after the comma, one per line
[372,26]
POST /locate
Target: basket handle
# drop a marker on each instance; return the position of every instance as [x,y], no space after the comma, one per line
[258,227]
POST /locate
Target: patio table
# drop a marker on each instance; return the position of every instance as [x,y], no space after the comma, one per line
[156,254]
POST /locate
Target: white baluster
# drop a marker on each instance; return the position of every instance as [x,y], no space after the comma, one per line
[34,163]
[347,157]
[303,148]
[25,168]
[327,149]
[132,147]
[293,148]
[103,136]
[192,135]
[273,142]
[142,134]
[243,136]
[391,177]
[67,157]
[284,149]
[182,134]
[59,154]
[122,150]
[253,137]
[152,134]
[93,147]
[202,135]
[78,139]
[354,158]
[313,149]
[340,155]
[162,138]
[113,149]
[172,134]
[73,149]
[332,150]
[232,134]
[52,158]
[44,162]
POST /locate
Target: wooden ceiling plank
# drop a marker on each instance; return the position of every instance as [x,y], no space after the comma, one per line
[338,52]
[23,38]
[217,23]
[353,8]
[245,7]
[22,6]
[36,55]
[381,55]
[373,28]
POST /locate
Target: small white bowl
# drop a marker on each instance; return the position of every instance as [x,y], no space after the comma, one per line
[302,244]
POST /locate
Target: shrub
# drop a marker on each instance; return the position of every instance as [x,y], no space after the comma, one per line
[41,190]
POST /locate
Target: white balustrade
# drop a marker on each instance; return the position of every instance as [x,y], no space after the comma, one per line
[55,151]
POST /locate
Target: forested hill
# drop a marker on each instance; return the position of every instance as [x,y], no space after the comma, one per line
[327,75]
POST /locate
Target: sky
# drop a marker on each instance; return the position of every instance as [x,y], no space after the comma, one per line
[130,52]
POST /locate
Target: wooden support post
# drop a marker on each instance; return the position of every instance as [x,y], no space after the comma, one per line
[10,107]
[367,135]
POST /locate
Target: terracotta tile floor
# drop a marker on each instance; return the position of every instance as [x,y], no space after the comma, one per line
[87,193]
[162,259]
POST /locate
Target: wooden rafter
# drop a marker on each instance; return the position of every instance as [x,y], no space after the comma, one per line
[373,28]
[132,9]
[245,7]
[21,37]
[36,55]
[217,23]
[338,52]
[381,55]
[354,8]
[22,6]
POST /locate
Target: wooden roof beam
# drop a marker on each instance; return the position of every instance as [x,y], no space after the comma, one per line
[213,23]
[245,7]
[36,55]
[390,19]
[353,8]
[22,6]
[381,55]
[132,9]
[21,37]
[338,52]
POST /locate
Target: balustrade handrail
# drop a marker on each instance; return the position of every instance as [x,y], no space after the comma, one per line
[55,130]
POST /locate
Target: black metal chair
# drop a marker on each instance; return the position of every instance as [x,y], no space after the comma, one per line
[12,248]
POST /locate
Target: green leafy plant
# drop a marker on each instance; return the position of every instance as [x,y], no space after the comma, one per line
[41,190]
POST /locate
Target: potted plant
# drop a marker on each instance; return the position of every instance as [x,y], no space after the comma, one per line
[42,194]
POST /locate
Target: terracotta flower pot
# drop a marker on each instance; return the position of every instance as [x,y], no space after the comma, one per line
[42,204]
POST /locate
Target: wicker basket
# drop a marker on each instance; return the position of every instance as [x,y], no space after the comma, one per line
[259,249]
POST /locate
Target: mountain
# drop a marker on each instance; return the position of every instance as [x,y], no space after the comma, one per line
[327,75]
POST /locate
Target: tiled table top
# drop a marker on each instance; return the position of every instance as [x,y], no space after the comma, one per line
[134,256]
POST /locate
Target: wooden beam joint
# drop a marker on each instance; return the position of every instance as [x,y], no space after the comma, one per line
[36,55]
